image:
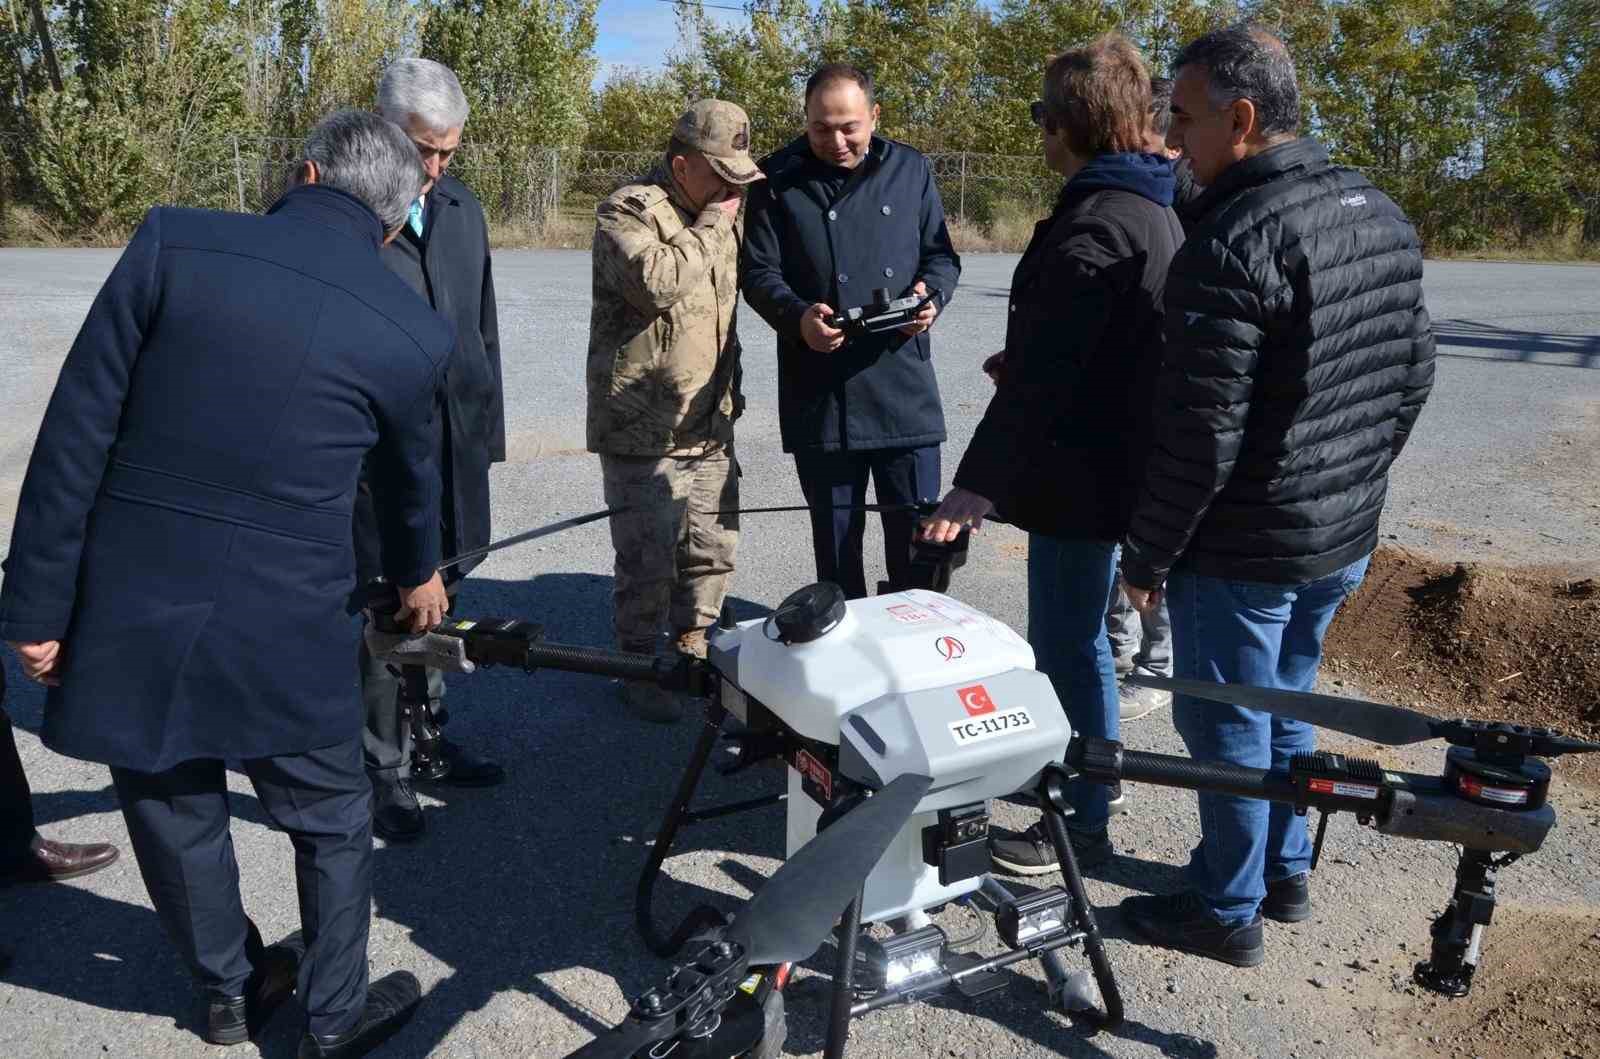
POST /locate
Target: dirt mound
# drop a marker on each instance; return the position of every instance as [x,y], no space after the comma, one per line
[1475,640]
[1539,996]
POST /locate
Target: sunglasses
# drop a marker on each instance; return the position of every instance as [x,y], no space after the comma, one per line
[1036,111]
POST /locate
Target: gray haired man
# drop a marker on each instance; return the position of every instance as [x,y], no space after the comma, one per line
[1298,356]
[442,252]
[183,531]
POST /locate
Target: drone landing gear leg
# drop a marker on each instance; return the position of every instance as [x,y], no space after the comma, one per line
[702,916]
[844,980]
[1052,795]
[1458,932]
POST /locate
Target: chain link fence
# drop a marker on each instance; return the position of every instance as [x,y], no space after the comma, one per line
[550,191]
[546,196]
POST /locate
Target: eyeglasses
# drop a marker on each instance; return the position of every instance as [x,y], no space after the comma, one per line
[1036,111]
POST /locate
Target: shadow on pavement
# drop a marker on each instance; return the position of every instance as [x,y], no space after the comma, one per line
[1532,347]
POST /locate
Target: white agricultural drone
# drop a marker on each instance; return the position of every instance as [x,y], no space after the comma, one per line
[900,718]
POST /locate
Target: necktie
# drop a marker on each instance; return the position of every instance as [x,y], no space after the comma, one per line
[414,218]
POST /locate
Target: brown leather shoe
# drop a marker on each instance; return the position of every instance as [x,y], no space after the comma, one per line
[48,861]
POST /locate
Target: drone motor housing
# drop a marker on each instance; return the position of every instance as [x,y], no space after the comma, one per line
[907,683]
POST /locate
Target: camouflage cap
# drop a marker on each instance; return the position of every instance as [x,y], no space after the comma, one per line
[721,133]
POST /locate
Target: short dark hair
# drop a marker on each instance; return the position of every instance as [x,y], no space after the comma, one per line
[1100,95]
[676,148]
[1160,105]
[833,73]
[1244,61]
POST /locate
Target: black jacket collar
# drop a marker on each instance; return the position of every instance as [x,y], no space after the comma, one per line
[445,189]
[1292,158]
[332,208]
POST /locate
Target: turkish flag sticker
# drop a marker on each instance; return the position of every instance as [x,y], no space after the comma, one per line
[976,700]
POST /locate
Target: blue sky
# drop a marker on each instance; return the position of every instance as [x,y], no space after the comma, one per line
[640,33]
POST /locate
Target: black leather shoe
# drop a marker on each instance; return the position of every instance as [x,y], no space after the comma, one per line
[1184,922]
[1288,900]
[234,1020]
[468,769]
[391,1000]
[396,816]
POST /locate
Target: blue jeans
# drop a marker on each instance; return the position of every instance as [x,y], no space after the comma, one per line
[1068,582]
[1248,632]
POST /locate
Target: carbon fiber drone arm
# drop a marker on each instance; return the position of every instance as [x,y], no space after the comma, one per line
[1402,804]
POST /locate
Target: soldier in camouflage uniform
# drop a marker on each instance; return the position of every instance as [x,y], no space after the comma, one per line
[663,380]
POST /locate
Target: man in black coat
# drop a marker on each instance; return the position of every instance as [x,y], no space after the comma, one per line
[844,212]
[1298,357]
[442,254]
[181,573]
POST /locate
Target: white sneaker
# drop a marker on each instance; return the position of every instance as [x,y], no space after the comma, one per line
[1134,701]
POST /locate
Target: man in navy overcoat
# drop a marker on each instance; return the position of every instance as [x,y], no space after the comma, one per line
[181,570]
[844,212]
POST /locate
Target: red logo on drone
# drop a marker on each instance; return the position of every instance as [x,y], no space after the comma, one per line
[950,648]
[976,700]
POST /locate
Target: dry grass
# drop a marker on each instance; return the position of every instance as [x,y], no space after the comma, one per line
[1550,249]
[560,233]
[1007,232]
[26,226]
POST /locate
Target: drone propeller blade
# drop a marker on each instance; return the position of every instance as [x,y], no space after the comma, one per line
[1374,721]
[619,1043]
[791,914]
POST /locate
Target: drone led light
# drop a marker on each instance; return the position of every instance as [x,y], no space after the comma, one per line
[904,960]
[1036,919]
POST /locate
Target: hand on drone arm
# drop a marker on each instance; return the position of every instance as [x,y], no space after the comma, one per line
[817,333]
[925,316]
[960,509]
[41,661]
[424,604]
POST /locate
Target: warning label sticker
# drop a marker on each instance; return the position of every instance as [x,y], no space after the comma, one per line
[815,771]
[908,614]
[1343,790]
[990,726]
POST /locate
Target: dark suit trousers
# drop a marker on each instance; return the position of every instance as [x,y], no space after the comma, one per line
[834,482]
[16,800]
[178,824]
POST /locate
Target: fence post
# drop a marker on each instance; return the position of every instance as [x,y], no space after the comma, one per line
[552,214]
[238,172]
[961,208]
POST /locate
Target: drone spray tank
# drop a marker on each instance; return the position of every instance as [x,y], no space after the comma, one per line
[908,683]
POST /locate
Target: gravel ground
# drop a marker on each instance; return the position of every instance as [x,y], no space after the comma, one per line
[516,910]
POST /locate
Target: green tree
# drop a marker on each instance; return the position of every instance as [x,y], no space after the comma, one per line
[761,66]
[633,111]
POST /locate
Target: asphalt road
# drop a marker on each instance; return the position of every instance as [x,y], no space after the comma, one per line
[516,910]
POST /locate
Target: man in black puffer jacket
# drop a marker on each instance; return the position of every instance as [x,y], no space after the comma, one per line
[1298,356]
